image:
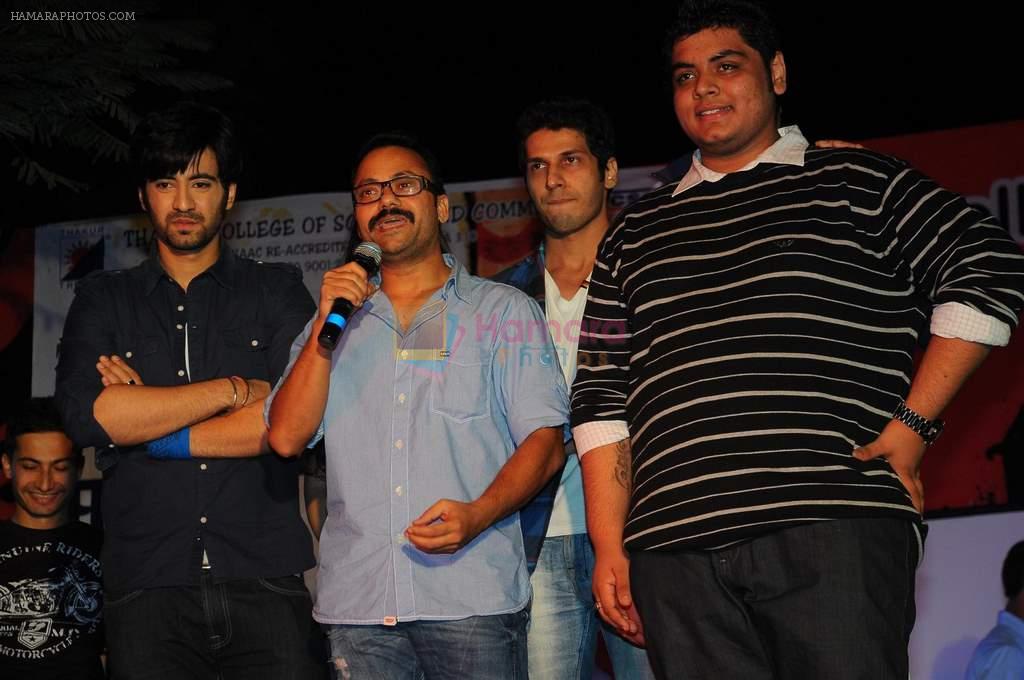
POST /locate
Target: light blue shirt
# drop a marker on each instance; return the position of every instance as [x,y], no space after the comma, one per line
[414,417]
[1000,656]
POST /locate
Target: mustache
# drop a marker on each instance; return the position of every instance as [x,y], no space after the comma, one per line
[387,212]
[186,215]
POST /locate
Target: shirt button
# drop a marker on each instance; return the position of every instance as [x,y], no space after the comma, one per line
[405,354]
[202,520]
[399,444]
[202,466]
[110,446]
[128,355]
[180,373]
[400,539]
[181,308]
[179,326]
[255,343]
[401,398]
[398,490]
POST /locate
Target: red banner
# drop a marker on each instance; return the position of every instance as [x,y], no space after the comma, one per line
[965,468]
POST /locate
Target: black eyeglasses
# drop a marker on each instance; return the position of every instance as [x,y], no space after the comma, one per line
[406,185]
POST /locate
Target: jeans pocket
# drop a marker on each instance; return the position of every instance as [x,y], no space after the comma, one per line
[113,598]
[918,534]
[292,586]
[517,622]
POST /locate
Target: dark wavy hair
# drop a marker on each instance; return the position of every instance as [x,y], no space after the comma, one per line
[580,115]
[750,20]
[38,414]
[170,140]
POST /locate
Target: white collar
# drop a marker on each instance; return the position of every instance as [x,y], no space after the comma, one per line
[788,149]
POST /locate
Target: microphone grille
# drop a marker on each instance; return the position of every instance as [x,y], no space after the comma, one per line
[370,250]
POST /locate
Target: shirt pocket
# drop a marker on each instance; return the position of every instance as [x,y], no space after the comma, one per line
[245,353]
[462,389]
[140,352]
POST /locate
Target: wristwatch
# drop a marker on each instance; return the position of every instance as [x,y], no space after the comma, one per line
[928,430]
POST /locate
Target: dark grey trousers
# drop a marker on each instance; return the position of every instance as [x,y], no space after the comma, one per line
[830,599]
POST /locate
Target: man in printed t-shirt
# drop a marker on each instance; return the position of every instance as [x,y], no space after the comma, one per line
[50,578]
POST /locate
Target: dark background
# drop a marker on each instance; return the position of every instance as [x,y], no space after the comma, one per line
[310,83]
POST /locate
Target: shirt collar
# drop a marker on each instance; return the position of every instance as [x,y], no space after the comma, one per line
[788,149]
[1015,624]
[459,280]
[222,271]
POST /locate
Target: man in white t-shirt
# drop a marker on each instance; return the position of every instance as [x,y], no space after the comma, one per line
[566,148]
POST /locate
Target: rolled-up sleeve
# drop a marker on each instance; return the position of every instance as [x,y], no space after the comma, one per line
[957,254]
[525,367]
[597,433]
[296,348]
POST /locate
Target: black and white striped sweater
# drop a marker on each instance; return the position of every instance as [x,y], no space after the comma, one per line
[753,331]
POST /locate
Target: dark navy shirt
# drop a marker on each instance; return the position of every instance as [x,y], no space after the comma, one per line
[237,318]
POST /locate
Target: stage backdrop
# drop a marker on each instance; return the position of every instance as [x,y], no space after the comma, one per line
[493,226]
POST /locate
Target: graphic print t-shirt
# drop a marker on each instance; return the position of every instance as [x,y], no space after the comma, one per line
[51,601]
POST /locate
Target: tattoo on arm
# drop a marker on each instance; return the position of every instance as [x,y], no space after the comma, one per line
[624,464]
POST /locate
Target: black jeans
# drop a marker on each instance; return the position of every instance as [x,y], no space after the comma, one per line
[830,599]
[254,629]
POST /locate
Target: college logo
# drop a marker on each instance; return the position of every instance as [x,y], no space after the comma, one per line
[81,257]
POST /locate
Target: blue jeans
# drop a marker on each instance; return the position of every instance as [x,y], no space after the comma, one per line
[478,647]
[250,629]
[564,623]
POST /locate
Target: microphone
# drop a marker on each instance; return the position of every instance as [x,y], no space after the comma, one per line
[367,255]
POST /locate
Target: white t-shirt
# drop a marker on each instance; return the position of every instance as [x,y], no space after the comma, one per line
[568,516]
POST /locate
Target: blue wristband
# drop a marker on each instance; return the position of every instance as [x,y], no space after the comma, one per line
[172,446]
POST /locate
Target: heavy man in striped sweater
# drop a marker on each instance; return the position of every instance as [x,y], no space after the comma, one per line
[746,410]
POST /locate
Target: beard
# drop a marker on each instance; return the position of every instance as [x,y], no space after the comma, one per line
[200,233]
[563,224]
[198,237]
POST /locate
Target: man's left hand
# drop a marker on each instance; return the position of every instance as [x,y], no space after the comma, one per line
[114,370]
[447,526]
[904,449]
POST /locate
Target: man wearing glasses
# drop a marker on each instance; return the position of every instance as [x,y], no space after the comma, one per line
[438,427]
